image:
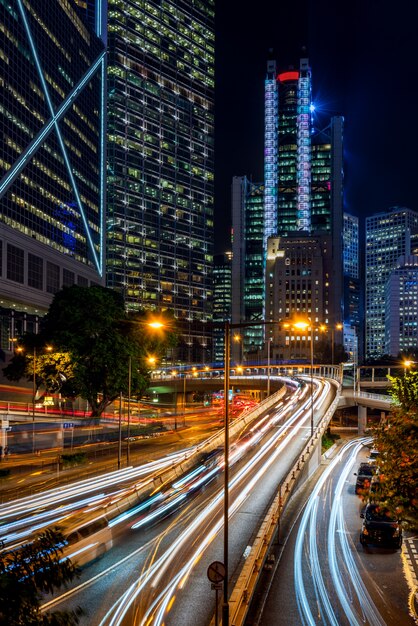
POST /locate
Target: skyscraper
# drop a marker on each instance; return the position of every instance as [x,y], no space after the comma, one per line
[248,260]
[303,165]
[388,237]
[52,163]
[161,161]
[222,293]
[401,304]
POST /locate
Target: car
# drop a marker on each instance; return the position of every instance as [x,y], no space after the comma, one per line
[380,527]
[86,540]
[373,456]
[364,477]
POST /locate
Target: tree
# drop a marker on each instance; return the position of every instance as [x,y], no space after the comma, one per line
[397,442]
[92,326]
[29,571]
[52,368]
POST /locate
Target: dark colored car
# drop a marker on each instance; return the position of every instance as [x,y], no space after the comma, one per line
[364,477]
[380,527]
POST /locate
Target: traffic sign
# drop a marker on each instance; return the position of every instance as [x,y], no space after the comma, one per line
[216,572]
[68,425]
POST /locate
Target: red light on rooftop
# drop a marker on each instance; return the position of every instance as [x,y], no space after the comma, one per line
[284,76]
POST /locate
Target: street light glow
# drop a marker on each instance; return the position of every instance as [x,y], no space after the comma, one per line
[156,325]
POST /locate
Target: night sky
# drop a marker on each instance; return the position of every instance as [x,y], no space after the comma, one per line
[364,66]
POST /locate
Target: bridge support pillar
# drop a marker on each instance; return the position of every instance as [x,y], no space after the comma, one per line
[362,419]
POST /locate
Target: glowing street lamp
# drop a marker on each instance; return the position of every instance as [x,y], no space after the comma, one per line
[34,355]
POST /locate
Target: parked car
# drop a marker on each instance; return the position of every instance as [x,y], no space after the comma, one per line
[373,456]
[380,527]
[364,477]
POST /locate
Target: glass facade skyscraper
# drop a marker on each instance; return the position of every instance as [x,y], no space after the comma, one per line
[52,156]
[388,237]
[248,259]
[222,293]
[401,308]
[161,161]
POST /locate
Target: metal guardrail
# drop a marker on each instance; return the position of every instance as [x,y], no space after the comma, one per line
[245,586]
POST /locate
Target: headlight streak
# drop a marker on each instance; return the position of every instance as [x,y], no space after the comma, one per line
[46,498]
[144,505]
[42,519]
[159,567]
[370,614]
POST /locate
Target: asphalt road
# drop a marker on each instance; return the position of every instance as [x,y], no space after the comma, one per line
[379,585]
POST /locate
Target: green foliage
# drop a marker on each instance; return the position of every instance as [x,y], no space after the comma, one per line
[69,460]
[397,441]
[328,440]
[52,368]
[27,573]
[404,390]
[94,342]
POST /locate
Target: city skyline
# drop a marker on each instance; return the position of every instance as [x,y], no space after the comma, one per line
[354,53]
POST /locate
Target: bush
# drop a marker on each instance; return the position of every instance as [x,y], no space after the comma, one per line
[328,440]
[69,460]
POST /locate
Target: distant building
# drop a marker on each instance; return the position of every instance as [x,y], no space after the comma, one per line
[303,188]
[297,284]
[222,297]
[161,162]
[351,294]
[401,307]
[52,157]
[388,237]
[248,260]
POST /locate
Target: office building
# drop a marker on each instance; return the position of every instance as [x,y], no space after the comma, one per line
[401,308]
[388,237]
[303,168]
[161,162]
[351,295]
[222,297]
[297,285]
[247,262]
[52,162]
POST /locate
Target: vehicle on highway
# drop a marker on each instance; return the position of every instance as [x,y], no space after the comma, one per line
[364,477]
[380,527]
[87,540]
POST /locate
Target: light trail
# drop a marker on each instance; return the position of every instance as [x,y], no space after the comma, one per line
[26,507]
[308,532]
[243,483]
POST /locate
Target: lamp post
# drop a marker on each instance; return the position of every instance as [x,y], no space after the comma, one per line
[227,364]
[33,399]
[225,605]
[128,431]
[268,366]
[34,363]
[337,327]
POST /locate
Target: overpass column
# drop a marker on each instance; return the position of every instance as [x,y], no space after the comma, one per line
[362,419]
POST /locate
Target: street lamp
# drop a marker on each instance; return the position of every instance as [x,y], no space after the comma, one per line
[34,362]
[227,364]
[268,365]
[153,325]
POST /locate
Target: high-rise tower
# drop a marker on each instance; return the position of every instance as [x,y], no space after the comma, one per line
[388,237]
[52,162]
[161,161]
[303,195]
